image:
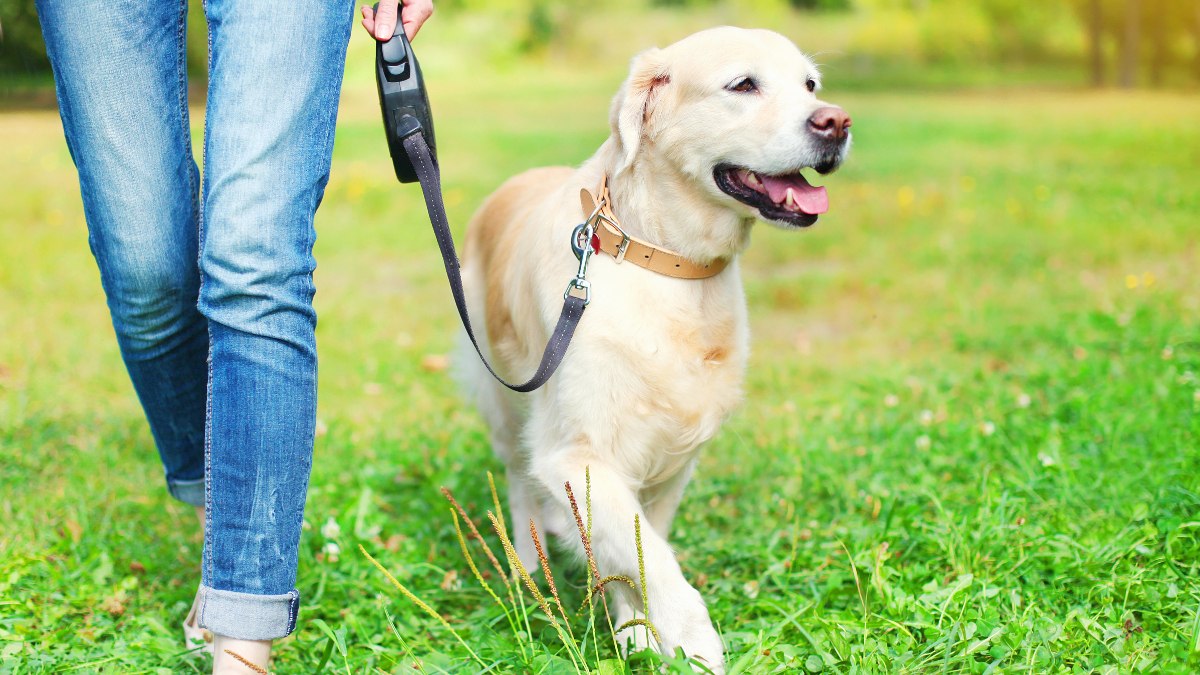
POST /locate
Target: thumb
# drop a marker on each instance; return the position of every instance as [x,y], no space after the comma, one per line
[385,19]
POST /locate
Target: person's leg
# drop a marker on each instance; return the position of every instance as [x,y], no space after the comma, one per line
[122,91]
[275,76]
[240,657]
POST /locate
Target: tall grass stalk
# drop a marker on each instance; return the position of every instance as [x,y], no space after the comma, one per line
[426,608]
[508,614]
[519,567]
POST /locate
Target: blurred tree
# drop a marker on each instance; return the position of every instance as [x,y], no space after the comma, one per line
[197,42]
[1195,24]
[548,24]
[1129,41]
[821,5]
[1020,29]
[1093,11]
[1157,32]
[1167,25]
[22,52]
[1149,36]
[540,27]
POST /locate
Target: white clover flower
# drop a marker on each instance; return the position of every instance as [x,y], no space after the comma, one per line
[923,442]
[987,428]
[330,530]
[891,400]
[1046,460]
[925,418]
[331,551]
[1023,400]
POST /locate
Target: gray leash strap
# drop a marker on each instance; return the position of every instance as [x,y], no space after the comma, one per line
[429,176]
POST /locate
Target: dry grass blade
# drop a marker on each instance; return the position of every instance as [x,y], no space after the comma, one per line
[246,662]
[584,536]
[516,564]
[462,542]
[496,499]
[475,531]
[545,562]
[567,640]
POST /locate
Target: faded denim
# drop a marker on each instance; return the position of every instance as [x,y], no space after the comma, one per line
[211,291]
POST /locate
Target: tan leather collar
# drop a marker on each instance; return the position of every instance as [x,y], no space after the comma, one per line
[615,242]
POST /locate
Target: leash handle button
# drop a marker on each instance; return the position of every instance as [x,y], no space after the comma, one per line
[394,54]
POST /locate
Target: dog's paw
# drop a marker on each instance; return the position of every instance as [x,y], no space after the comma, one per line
[706,648]
[688,627]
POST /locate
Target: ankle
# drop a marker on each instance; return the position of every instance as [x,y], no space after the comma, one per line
[240,657]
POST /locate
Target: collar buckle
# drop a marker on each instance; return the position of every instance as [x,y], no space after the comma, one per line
[625,238]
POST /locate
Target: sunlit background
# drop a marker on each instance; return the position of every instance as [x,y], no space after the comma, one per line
[971,434]
[875,44]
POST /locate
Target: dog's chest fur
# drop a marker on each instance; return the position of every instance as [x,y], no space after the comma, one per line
[674,354]
[656,364]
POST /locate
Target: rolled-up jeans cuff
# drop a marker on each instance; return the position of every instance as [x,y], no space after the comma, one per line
[245,616]
[187,491]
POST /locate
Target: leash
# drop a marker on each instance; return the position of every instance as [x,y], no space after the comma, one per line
[409,126]
[573,305]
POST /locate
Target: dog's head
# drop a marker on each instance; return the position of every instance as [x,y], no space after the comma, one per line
[736,112]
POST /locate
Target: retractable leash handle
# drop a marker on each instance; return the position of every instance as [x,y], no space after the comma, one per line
[408,124]
[403,101]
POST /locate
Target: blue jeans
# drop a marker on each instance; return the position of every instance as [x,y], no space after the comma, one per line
[211,292]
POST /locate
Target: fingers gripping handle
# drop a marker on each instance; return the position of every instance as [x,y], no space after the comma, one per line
[403,101]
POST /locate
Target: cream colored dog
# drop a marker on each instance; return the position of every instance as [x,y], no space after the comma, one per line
[708,135]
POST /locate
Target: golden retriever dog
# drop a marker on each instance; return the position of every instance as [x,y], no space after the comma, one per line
[709,135]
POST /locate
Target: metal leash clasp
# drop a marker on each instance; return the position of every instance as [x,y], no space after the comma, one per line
[580,282]
[585,253]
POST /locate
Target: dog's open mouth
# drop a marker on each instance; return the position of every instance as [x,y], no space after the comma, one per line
[787,198]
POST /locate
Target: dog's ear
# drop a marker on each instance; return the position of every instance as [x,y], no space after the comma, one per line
[632,114]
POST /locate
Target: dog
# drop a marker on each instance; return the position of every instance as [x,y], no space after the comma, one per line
[708,135]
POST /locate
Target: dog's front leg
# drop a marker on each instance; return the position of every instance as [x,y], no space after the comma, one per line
[662,501]
[523,508]
[675,608]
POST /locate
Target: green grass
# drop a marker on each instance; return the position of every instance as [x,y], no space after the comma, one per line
[970,441]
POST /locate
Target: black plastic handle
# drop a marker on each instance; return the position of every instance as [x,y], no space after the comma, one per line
[403,101]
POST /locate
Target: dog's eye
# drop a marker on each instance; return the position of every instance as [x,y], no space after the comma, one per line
[744,85]
[811,84]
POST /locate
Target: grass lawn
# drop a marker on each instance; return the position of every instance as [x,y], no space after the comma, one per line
[970,441]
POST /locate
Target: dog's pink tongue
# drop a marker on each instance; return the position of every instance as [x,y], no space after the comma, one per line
[806,198]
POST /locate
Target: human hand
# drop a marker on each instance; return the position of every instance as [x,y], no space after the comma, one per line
[382,24]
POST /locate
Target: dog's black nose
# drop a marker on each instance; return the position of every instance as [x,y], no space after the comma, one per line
[830,122]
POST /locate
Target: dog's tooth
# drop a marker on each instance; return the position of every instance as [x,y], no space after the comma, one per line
[753,181]
[790,200]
